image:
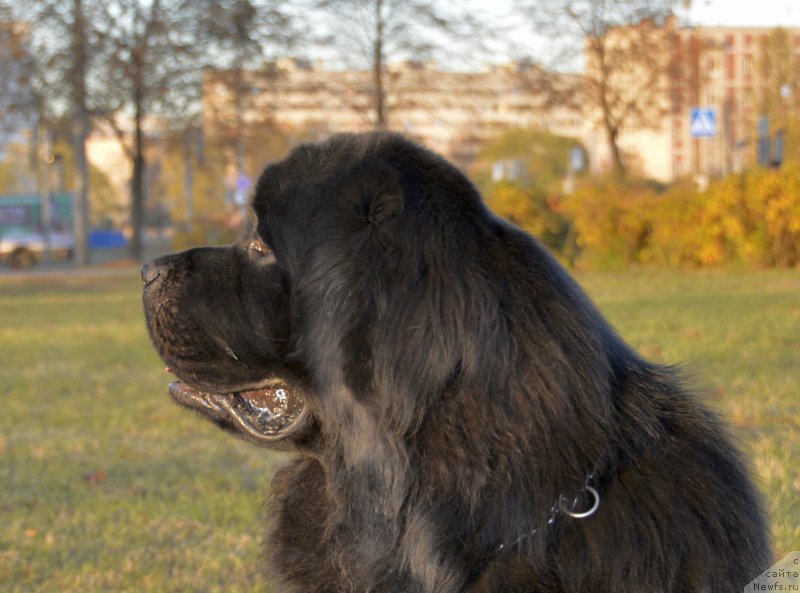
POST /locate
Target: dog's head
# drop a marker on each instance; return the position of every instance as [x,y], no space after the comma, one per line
[374,281]
[234,324]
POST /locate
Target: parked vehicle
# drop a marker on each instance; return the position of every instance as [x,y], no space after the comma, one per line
[28,231]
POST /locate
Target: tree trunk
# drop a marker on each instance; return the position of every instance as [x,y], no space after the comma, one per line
[80,133]
[137,179]
[188,176]
[377,64]
[238,97]
[610,124]
[617,164]
[612,133]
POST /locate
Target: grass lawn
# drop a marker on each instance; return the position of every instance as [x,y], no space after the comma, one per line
[106,486]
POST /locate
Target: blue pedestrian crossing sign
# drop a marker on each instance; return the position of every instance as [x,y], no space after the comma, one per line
[704,122]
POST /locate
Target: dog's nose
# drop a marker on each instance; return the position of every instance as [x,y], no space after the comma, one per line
[152,271]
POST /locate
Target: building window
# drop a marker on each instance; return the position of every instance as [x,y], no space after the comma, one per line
[747,64]
[730,67]
[677,166]
[746,98]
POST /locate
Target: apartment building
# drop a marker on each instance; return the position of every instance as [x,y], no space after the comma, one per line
[748,78]
[725,91]
[729,92]
[450,112]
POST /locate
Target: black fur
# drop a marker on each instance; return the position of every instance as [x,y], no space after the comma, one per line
[460,385]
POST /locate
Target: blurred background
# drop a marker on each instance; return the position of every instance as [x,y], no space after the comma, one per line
[130,127]
[652,145]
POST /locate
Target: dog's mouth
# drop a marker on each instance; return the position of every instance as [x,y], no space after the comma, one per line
[264,415]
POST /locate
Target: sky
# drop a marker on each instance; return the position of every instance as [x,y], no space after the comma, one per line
[760,13]
[710,13]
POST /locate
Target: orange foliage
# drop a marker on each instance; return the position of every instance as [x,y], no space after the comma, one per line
[752,218]
[530,210]
[612,222]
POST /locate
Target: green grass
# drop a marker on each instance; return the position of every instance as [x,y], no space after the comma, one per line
[106,486]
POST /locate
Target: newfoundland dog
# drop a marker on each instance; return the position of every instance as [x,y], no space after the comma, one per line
[464,419]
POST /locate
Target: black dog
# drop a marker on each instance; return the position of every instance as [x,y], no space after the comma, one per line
[465,418]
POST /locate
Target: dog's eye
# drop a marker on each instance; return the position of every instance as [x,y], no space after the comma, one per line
[257,248]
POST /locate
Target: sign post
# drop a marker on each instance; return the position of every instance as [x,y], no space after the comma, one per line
[704,122]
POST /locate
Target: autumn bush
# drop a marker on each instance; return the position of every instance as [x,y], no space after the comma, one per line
[529,209]
[612,222]
[751,218]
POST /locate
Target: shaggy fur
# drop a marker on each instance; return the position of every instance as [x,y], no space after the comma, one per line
[461,390]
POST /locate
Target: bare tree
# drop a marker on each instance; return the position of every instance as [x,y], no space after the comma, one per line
[241,38]
[77,75]
[63,43]
[148,67]
[780,71]
[138,65]
[18,101]
[627,58]
[158,54]
[381,30]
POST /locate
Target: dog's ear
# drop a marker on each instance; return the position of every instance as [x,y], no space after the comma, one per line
[385,204]
[377,188]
